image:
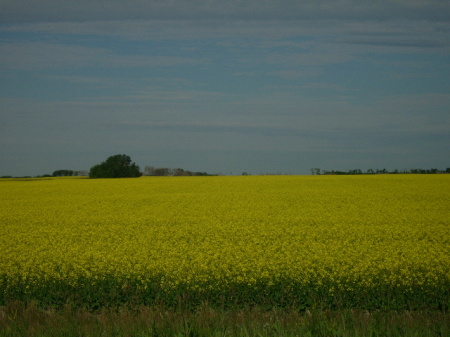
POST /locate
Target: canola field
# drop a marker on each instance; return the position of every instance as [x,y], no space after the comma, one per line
[378,241]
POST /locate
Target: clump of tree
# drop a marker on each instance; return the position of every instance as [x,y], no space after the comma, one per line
[63,173]
[69,173]
[171,172]
[118,166]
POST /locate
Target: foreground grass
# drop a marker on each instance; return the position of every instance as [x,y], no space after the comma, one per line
[18,319]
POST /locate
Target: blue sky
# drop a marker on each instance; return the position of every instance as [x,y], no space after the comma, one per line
[225,86]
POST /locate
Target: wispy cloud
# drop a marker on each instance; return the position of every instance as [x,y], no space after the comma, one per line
[44,55]
[86,10]
[299,82]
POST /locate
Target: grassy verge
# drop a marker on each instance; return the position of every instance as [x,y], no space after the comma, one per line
[19,319]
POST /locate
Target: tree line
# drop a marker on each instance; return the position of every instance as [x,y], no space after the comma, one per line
[317,171]
[121,166]
[173,172]
[68,173]
[57,173]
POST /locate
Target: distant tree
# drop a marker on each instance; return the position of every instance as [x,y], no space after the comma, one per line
[149,171]
[63,173]
[315,171]
[118,166]
[202,174]
[166,171]
[181,172]
[163,171]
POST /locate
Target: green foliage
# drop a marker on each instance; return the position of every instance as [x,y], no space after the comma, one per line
[63,173]
[109,291]
[118,166]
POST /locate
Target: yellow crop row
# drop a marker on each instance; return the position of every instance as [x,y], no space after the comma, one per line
[328,234]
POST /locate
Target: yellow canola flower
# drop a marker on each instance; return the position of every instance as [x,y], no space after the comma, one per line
[338,233]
